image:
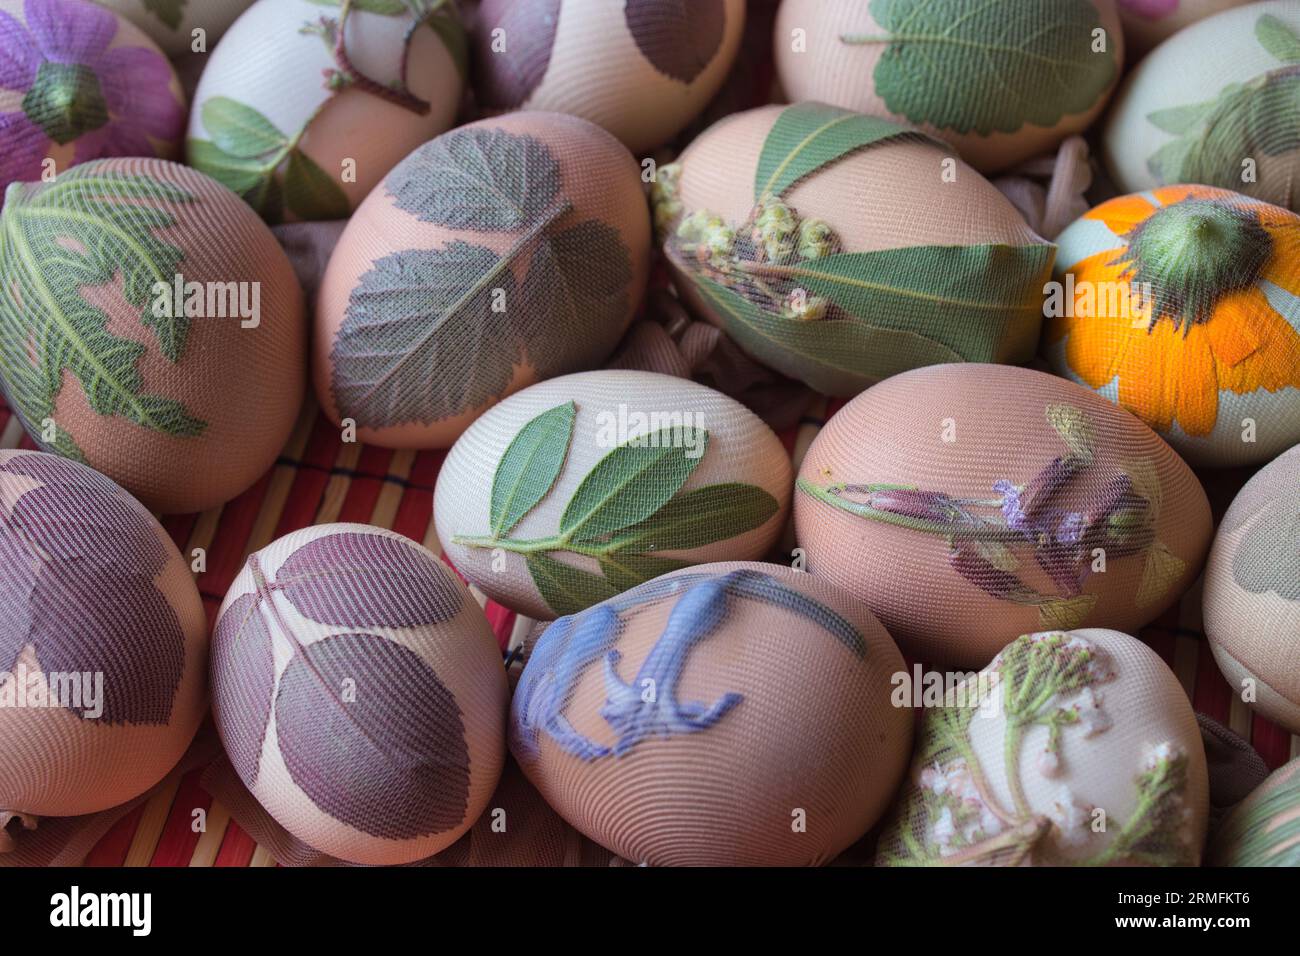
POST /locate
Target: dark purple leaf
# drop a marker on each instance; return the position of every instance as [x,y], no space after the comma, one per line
[373,737]
[355,579]
[243,681]
[679,37]
[504,79]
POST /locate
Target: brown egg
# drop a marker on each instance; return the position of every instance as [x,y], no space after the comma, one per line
[948,66]
[1251,603]
[152,328]
[1075,748]
[504,252]
[728,714]
[103,643]
[359,693]
[968,503]
[641,69]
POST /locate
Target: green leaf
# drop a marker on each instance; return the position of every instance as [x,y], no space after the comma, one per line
[566,589]
[169,12]
[1278,38]
[971,65]
[631,483]
[385,8]
[312,193]
[529,466]
[700,517]
[1179,119]
[240,130]
[808,136]
[625,571]
[242,176]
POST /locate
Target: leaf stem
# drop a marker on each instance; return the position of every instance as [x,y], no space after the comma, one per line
[830,496]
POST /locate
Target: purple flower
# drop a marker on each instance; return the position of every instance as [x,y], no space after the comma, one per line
[111,102]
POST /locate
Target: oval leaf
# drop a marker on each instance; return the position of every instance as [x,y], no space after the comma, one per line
[700,517]
[680,38]
[564,588]
[240,130]
[529,466]
[625,570]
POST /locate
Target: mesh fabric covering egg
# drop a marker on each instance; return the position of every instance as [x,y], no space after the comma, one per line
[641,69]
[185,400]
[1074,748]
[1002,80]
[80,84]
[359,693]
[506,251]
[575,489]
[1148,22]
[968,503]
[103,642]
[1251,604]
[170,23]
[1264,829]
[840,249]
[304,131]
[728,714]
[1215,105]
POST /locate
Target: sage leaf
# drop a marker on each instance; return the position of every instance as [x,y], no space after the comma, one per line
[626,570]
[700,517]
[564,588]
[808,136]
[312,193]
[487,180]
[1278,38]
[529,466]
[947,61]
[678,37]
[240,130]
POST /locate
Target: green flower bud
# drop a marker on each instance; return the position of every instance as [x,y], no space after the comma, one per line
[817,239]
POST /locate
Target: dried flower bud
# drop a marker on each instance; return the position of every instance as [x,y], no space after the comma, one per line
[817,239]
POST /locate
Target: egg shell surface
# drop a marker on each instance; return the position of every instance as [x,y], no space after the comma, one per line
[171,25]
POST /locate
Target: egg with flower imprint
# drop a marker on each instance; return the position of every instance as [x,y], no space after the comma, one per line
[171,23]
[680,723]
[1001,80]
[1251,604]
[966,504]
[1149,22]
[81,84]
[305,105]
[1071,748]
[828,245]
[103,644]
[1183,306]
[1264,829]
[1215,105]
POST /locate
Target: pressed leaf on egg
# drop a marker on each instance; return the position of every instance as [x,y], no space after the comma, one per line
[529,466]
[679,37]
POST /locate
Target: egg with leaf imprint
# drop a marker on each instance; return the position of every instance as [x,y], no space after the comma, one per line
[103,644]
[1251,603]
[503,252]
[641,69]
[1071,748]
[581,487]
[966,504]
[840,248]
[1001,80]
[80,84]
[151,327]
[306,104]
[1264,829]
[359,693]
[1214,105]
[1149,22]
[171,23]
[727,714]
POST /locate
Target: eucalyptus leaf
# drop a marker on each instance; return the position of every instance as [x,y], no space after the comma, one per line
[529,466]
[700,517]
[312,193]
[240,130]
[564,588]
[1278,38]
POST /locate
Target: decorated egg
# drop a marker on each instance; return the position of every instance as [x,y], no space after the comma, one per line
[1214,104]
[966,503]
[1182,304]
[150,326]
[641,69]
[80,84]
[581,487]
[1072,748]
[306,104]
[506,251]
[103,643]
[839,248]
[728,714]
[172,23]
[1001,80]
[1251,604]
[1148,22]
[1264,829]
[359,693]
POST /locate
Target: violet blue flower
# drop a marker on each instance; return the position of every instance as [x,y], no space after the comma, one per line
[111,102]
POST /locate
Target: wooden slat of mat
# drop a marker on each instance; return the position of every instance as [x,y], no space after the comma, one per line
[209,845]
[152,823]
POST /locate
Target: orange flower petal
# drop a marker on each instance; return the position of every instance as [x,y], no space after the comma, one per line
[1123,213]
[1283,266]
[1168,195]
[1195,381]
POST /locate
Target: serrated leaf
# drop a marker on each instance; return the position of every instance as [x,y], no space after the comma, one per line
[626,570]
[564,588]
[631,483]
[529,466]
[240,130]
[477,178]
[809,136]
[1278,38]
[947,62]
[679,38]
[311,193]
[703,516]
